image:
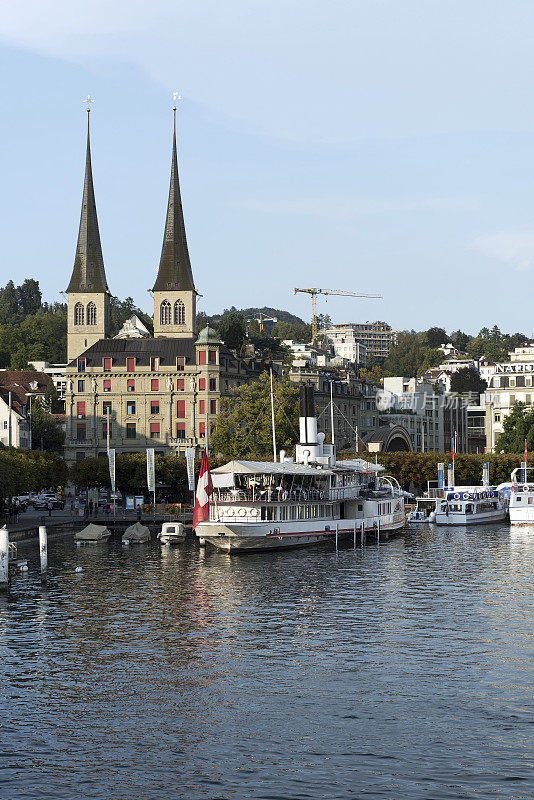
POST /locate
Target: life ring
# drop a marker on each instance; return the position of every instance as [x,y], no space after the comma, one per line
[230,512]
[254,512]
[242,512]
[465,496]
[321,494]
[284,494]
[304,494]
[524,488]
[456,496]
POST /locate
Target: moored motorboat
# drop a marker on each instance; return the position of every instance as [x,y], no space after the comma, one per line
[521,494]
[92,533]
[171,533]
[136,534]
[424,511]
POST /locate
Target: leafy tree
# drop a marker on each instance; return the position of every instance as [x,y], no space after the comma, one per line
[518,426]
[52,403]
[23,471]
[435,336]
[243,427]
[30,297]
[375,375]
[467,380]
[9,304]
[404,356]
[233,329]
[46,432]
[429,358]
[460,339]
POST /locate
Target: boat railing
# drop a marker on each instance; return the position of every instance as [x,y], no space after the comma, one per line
[269,495]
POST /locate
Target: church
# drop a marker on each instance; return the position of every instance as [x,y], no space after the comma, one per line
[159,388]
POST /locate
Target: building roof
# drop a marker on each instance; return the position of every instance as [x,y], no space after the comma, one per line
[88,274]
[208,336]
[174,272]
[143,349]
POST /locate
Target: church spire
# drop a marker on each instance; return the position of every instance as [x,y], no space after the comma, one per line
[88,274]
[174,272]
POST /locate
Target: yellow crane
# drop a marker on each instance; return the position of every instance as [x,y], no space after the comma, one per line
[342,292]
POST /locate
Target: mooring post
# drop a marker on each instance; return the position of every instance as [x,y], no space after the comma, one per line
[4,558]
[337,532]
[362,532]
[43,552]
[355,534]
[378,531]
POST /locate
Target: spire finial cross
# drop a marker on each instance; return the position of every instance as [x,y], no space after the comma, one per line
[89,100]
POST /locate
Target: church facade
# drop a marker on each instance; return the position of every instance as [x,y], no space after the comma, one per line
[161,390]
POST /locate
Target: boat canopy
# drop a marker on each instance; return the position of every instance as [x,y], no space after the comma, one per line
[359,465]
[268,468]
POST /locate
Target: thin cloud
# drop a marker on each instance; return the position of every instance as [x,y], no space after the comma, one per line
[515,248]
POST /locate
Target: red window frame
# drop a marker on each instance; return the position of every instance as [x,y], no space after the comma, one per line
[212,356]
[107,364]
[154,430]
[130,385]
[130,364]
[213,384]
[154,406]
[106,408]
[80,409]
[154,385]
[180,430]
[107,385]
[130,407]
[81,365]
[202,407]
[202,384]
[81,385]
[180,385]
[105,430]
[180,409]
[131,428]
[180,363]
[213,406]
[202,429]
[202,357]
[81,431]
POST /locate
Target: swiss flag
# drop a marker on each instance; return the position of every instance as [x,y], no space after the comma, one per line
[204,490]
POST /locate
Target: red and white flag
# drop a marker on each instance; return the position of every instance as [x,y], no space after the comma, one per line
[204,490]
[525,451]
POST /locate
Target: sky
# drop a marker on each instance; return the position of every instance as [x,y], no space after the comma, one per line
[374,146]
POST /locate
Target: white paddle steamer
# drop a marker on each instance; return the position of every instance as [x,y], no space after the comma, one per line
[261,505]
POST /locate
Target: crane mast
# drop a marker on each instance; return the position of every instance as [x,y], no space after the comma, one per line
[340,292]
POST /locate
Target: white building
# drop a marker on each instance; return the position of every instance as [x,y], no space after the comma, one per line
[14,428]
[346,344]
[508,382]
[57,373]
[308,355]
[432,420]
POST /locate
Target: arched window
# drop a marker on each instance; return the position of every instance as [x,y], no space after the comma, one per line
[91,314]
[165,313]
[179,313]
[79,315]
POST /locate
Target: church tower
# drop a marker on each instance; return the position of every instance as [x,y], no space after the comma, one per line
[174,289]
[88,293]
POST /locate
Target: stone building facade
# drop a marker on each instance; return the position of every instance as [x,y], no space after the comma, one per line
[160,391]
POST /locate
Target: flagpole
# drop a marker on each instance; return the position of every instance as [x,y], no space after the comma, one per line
[272,418]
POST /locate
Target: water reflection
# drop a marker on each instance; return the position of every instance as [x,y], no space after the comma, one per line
[395,671]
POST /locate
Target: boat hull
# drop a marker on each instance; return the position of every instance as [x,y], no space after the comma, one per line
[456,518]
[242,538]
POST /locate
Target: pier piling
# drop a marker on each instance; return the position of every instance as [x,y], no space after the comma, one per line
[43,552]
[4,558]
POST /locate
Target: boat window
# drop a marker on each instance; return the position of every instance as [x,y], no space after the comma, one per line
[518,498]
[530,500]
[468,508]
[170,530]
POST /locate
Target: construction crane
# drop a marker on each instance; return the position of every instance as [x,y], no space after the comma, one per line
[342,292]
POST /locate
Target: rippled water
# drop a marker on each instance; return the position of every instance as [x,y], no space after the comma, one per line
[400,671]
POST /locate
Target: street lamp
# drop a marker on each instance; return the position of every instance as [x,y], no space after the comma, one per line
[30,395]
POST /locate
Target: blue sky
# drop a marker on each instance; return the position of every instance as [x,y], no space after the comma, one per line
[370,145]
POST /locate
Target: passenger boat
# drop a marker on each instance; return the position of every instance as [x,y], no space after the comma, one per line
[521,506]
[171,533]
[469,505]
[263,505]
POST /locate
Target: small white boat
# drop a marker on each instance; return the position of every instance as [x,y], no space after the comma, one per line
[93,533]
[521,497]
[171,533]
[469,505]
[136,534]
[424,511]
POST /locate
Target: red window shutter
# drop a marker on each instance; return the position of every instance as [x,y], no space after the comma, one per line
[180,384]
[107,364]
[130,364]
[154,384]
[213,406]
[212,357]
[202,405]
[130,386]
[154,430]
[180,430]
[202,429]
[107,386]
[202,384]
[81,408]
[81,386]
[180,409]
[201,356]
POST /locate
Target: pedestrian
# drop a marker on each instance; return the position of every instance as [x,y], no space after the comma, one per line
[72,508]
[17,509]
[49,507]
[139,512]
[90,508]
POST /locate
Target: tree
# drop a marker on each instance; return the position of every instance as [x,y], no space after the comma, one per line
[435,336]
[9,304]
[404,358]
[467,380]
[52,403]
[243,427]
[460,339]
[517,427]
[29,297]
[46,432]
[233,329]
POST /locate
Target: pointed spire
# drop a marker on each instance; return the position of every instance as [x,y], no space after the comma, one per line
[88,274]
[174,267]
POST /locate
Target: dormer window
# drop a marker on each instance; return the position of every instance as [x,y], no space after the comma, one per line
[154,364]
[130,364]
[107,364]
[180,363]
[81,365]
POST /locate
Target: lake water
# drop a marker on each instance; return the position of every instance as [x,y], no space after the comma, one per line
[401,671]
